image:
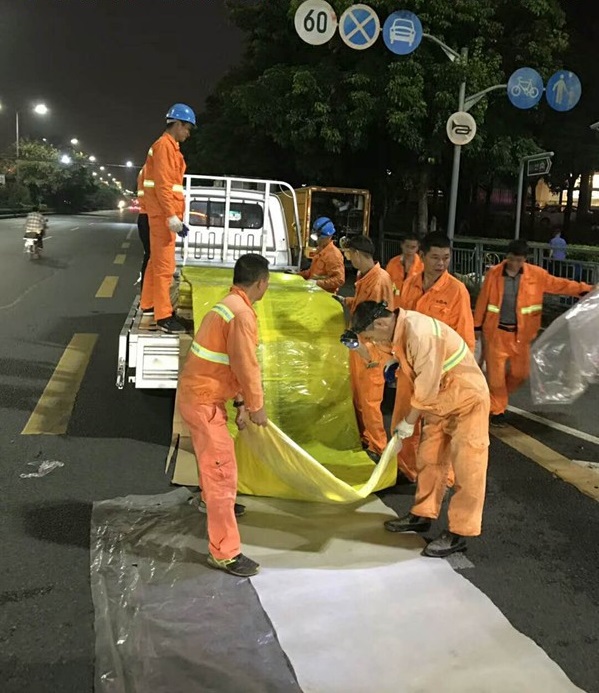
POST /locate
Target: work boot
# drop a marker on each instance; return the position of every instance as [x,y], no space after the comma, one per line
[239,509]
[187,324]
[148,311]
[171,326]
[374,456]
[408,523]
[241,565]
[444,545]
[498,421]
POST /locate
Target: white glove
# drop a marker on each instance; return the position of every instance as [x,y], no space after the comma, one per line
[175,224]
[404,430]
[397,444]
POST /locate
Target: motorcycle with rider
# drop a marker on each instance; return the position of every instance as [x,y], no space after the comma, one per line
[36,225]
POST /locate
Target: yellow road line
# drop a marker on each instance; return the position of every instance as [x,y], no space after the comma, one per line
[585,480]
[107,287]
[120,259]
[126,245]
[54,408]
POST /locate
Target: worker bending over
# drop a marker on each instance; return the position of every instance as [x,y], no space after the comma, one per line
[508,311]
[366,369]
[221,366]
[451,395]
[402,267]
[433,292]
[163,186]
[327,268]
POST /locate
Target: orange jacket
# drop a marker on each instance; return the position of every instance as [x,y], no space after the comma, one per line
[375,285]
[327,263]
[438,363]
[534,283]
[222,362]
[447,300]
[396,270]
[163,178]
[141,192]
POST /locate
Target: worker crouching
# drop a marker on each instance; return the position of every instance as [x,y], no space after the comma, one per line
[221,366]
[451,395]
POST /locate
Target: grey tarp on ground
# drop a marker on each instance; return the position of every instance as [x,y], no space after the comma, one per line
[165,622]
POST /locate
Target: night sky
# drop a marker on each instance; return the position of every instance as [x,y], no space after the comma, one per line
[109,69]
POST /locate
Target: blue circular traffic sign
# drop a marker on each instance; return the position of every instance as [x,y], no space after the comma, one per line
[359,27]
[563,91]
[402,32]
[525,88]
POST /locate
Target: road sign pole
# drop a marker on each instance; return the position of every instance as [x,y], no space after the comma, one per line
[519,203]
[457,155]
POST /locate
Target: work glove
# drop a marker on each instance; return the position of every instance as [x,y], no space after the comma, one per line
[389,371]
[339,299]
[184,231]
[404,430]
[175,224]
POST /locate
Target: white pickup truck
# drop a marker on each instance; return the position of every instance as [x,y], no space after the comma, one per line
[227,217]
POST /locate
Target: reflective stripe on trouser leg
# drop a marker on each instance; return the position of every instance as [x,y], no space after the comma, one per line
[162,261]
[469,450]
[215,455]
[368,385]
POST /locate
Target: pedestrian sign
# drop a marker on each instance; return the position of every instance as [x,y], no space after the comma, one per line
[563,91]
[359,27]
[315,22]
[525,88]
[402,32]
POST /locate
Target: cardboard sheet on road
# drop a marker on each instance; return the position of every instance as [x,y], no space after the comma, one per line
[311,449]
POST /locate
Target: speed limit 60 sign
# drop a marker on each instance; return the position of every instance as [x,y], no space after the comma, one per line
[315,22]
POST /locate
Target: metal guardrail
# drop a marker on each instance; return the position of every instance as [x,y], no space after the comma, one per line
[472,257]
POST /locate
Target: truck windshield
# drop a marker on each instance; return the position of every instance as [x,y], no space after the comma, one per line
[242,215]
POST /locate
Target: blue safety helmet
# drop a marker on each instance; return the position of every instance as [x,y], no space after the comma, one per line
[323,226]
[181,112]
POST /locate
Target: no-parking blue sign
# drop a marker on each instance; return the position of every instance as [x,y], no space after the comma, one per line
[359,27]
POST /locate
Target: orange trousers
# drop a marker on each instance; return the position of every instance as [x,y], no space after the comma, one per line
[500,352]
[461,440]
[217,467]
[368,388]
[159,272]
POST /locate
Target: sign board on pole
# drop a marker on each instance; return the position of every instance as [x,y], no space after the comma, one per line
[402,32]
[525,88]
[359,27]
[538,167]
[461,128]
[315,22]
[563,91]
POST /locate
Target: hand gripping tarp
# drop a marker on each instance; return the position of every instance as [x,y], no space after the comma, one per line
[565,358]
[311,449]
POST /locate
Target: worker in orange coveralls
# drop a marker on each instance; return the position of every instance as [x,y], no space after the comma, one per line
[222,365]
[164,202]
[402,267]
[433,292]
[451,395]
[508,311]
[366,369]
[143,225]
[327,268]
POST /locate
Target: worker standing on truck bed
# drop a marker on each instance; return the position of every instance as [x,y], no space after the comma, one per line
[221,366]
[451,395]
[366,369]
[327,268]
[433,292]
[508,311]
[402,267]
[165,204]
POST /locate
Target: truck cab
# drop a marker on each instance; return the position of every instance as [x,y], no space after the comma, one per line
[227,217]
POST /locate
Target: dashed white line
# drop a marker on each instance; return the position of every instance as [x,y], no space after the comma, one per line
[583,435]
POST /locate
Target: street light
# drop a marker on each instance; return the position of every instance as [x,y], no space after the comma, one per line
[129,164]
[74,141]
[39,109]
[65,159]
[102,168]
[92,158]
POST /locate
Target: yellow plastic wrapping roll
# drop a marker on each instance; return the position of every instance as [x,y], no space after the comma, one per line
[311,449]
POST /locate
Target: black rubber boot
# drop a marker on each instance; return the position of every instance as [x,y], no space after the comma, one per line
[444,545]
[408,523]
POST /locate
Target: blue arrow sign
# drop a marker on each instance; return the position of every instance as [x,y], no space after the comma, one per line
[359,27]
[402,32]
[525,88]
[563,91]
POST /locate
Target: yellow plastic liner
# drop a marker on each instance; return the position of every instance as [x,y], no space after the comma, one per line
[311,449]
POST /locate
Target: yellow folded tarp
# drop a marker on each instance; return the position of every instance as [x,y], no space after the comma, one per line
[311,449]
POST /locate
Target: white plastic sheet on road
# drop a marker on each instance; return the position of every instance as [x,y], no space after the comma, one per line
[354,608]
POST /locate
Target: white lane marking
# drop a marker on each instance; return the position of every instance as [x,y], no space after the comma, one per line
[75,228]
[556,426]
[594,466]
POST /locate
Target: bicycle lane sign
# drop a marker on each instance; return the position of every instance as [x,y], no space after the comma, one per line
[525,88]
[315,22]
